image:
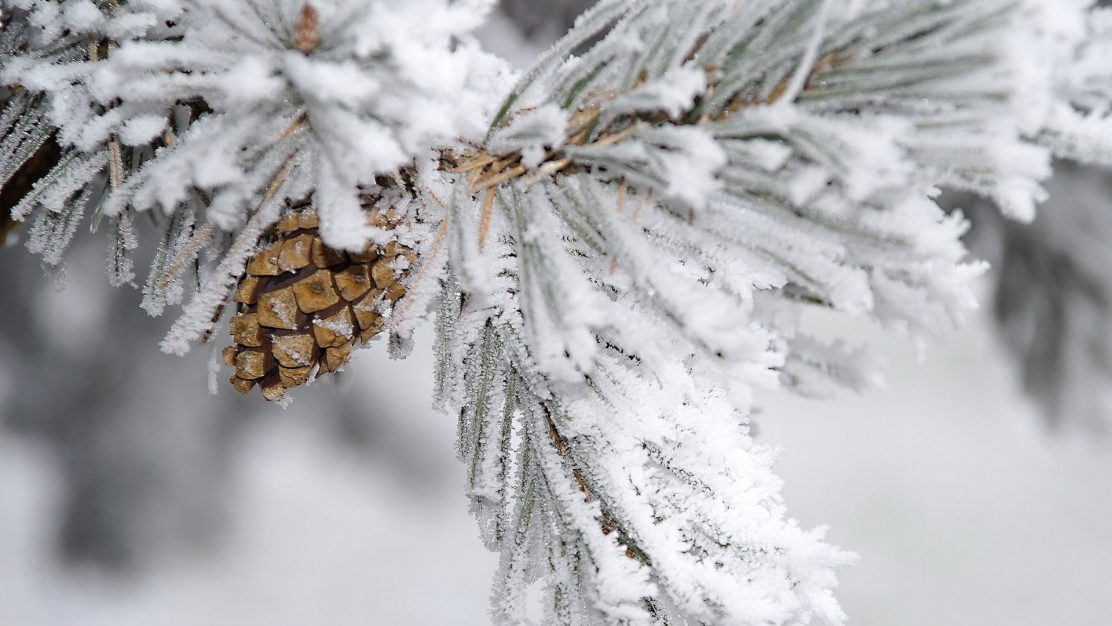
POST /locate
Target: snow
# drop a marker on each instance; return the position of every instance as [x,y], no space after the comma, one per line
[309,542]
[674,93]
[341,325]
[535,130]
[963,509]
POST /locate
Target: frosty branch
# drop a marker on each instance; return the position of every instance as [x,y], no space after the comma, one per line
[617,245]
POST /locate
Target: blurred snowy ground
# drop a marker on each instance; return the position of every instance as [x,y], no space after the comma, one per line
[322,526]
[963,509]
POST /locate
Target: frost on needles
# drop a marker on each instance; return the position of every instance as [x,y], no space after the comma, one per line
[230,109]
[616,248]
[648,220]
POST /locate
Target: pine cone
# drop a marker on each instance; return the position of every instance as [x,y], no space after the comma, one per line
[303,305]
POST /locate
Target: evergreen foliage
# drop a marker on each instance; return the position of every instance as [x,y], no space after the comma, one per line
[617,245]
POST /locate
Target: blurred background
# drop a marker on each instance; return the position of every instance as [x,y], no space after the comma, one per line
[977,488]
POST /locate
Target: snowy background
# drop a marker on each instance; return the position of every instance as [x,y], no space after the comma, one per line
[174,507]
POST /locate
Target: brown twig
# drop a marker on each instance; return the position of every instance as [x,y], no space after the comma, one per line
[306,32]
[486,171]
[608,523]
[484,217]
[115,164]
[196,242]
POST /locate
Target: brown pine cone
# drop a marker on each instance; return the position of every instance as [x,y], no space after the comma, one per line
[303,306]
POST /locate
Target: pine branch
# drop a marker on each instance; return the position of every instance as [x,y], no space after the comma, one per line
[546,474]
[653,215]
[708,133]
[43,170]
[198,106]
[1079,127]
[622,258]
